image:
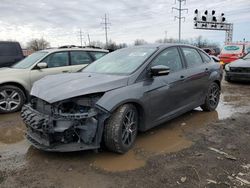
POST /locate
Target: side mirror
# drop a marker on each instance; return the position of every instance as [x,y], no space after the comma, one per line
[42,65]
[159,70]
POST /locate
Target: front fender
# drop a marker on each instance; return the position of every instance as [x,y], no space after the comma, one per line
[135,94]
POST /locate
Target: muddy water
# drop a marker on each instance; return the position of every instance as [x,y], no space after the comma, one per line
[11,129]
[169,137]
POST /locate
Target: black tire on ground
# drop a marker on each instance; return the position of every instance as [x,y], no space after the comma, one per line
[12,98]
[212,98]
[121,128]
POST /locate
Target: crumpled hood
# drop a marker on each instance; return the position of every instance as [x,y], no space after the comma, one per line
[59,87]
[240,63]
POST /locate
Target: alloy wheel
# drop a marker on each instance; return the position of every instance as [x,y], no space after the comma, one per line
[129,128]
[214,96]
[9,100]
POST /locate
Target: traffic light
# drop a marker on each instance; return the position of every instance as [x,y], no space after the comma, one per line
[204,25]
[204,18]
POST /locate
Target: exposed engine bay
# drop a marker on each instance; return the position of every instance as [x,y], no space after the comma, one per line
[69,125]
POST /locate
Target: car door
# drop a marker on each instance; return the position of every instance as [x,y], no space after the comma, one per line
[167,93]
[197,77]
[57,62]
[79,60]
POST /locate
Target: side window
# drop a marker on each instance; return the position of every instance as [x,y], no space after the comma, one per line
[80,57]
[97,55]
[192,57]
[205,57]
[169,57]
[58,59]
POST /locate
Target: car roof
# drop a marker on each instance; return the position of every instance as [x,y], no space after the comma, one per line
[74,49]
[165,45]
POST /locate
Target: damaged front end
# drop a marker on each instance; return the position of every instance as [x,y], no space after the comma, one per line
[70,125]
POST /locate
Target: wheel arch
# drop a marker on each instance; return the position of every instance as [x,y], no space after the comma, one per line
[139,107]
[217,82]
[17,85]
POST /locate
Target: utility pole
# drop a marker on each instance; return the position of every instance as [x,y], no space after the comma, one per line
[80,33]
[166,34]
[179,17]
[106,27]
[89,39]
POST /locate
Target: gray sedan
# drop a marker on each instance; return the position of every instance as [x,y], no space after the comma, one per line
[127,91]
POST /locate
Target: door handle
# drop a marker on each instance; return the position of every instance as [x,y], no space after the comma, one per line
[65,71]
[182,78]
[206,70]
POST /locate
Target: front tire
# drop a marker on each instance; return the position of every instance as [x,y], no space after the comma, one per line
[12,99]
[121,129]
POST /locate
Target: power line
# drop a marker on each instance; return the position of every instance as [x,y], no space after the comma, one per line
[180,9]
[106,27]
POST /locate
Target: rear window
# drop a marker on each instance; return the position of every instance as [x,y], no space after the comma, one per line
[8,49]
[205,57]
[97,55]
[232,49]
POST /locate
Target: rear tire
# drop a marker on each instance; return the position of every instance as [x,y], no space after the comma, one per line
[212,98]
[120,131]
[12,99]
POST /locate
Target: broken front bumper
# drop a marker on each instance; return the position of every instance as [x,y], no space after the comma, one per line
[63,133]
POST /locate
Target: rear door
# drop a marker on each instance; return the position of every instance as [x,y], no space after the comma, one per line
[197,78]
[58,62]
[79,60]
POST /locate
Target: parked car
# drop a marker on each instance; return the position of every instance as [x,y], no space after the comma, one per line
[238,70]
[212,51]
[16,81]
[232,51]
[126,91]
[10,53]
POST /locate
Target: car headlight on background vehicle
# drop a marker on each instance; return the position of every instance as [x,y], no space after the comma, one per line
[227,68]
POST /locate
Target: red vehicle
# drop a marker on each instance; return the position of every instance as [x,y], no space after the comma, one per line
[233,51]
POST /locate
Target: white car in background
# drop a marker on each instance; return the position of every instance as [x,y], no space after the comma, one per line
[16,81]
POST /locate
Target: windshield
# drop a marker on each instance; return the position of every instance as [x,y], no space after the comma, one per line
[30,60]
[232,49]
[247,56]
[124,61]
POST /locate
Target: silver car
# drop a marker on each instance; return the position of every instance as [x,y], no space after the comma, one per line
[16,81]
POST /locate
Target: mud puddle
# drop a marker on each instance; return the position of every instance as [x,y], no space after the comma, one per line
[164,139]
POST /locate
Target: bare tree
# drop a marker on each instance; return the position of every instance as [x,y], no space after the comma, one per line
[97,44]
[139,42]
[37,44]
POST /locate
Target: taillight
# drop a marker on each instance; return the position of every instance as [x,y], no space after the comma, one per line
[241,55]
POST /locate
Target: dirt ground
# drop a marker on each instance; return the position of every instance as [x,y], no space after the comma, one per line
[198,149]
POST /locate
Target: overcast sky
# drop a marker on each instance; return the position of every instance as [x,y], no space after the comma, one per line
[59,21]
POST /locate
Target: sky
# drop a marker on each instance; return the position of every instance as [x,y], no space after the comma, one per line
[60,21]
